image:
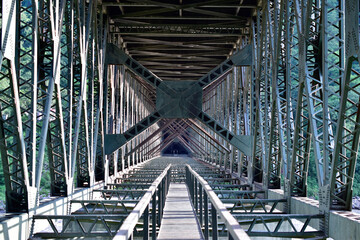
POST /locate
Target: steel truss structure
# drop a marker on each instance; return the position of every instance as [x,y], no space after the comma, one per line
[91,88]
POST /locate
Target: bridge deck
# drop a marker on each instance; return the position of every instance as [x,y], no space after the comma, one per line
[179,221]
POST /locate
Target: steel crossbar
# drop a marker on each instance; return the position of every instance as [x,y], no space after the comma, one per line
[134,180]
[280,225]
[245,206]
[89,225]
[229,194]
[104,206]
[128,186]
[229,186]
[121,194]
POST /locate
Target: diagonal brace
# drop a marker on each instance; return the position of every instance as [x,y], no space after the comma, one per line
[241,58]
[242,142]
[115,141]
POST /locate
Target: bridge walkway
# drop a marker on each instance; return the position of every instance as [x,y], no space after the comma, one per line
[179,220]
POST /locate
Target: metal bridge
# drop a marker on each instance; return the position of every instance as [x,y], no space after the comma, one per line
[95,93]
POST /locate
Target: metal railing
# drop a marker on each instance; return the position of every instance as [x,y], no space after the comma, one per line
[155,197]
[201,195]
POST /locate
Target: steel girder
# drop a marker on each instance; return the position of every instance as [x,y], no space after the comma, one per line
[261,94]
[305,42]
[58,98]
[12,146]
[301,33]
[168,99]
[228,103]
[38,83]
[197,30]
[347,130]
[275,20]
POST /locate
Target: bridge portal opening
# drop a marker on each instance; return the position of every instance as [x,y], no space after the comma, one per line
[175,149]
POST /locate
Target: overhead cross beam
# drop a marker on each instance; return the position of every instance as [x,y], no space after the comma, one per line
[170,30]
[177,99]
[193,7]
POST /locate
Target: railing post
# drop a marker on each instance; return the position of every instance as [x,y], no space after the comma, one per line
[146,224]
[191,186]
[153,215]
[196,197]
[206,216]
[200,204]
[214,222]
[168,182]
[230,237]
[159,204]
[163,194]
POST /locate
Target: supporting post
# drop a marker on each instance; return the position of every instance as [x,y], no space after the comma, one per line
[153,217]
[146,224]
[206,216]
[201,205]
[214,223]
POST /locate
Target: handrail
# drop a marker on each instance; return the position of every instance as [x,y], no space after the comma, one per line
[231,223]
[127,228]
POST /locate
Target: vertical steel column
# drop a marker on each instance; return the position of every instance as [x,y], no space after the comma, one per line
[214,222]
[302,132]
[276,154]
[146,224]
[256,165]
[122,113]
[98,144]
[80,154]
[153,216]
[347,130]
[206,216]
[12,145]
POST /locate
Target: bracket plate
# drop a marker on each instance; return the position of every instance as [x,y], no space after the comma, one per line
[183,104]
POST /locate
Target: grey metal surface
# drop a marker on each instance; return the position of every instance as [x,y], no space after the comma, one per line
[179,220]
